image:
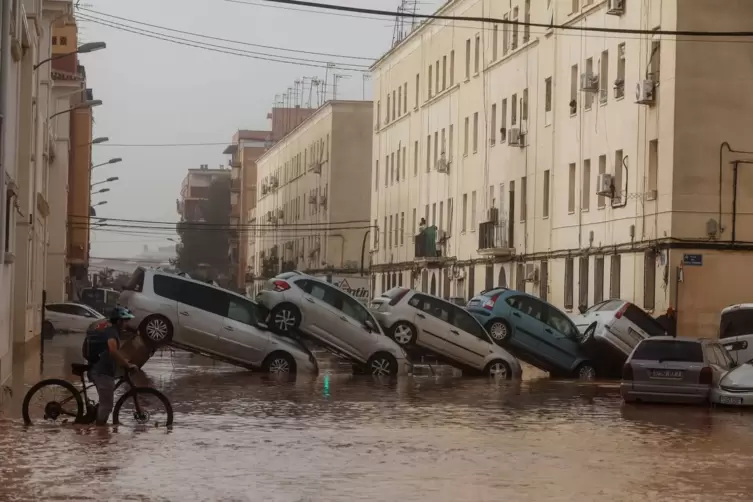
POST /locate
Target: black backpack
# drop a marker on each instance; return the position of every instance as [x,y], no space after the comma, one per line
[95,342]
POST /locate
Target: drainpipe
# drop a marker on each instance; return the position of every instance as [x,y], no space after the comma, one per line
[363,250]
[4,65]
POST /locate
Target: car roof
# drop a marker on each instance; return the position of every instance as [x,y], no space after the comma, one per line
[737,306]
[207,284]
[678,339]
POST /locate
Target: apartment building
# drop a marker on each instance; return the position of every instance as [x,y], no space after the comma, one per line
[574,165]
[312,211]
[194,191]
[246,147]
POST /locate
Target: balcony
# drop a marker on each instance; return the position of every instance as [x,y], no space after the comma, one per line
[493,239]
[425,248]
[235,184]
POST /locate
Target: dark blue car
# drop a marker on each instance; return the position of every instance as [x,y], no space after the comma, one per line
[535,331]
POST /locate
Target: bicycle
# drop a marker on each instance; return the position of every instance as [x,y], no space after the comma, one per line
[82,410]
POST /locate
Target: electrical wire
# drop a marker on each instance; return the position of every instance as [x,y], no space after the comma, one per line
[307,11]
[220,39]
[160,145]
[203,224]
[213,47]
[593,29]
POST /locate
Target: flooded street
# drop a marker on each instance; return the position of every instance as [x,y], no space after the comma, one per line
[239,436]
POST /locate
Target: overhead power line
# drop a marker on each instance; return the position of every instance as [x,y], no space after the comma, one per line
[595,29]
[219,39]
[215,48]
[147,145]
[206,224]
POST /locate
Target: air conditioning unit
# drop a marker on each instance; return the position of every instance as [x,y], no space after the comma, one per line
[604,185]
[443,166]
[532,273]
[644,92]
[616,7]
[317,168]
[459,273]
[493,215]
[273,182]
[280,214]
[264,189]
[513,137]
[289,245]
[312,199]
[270,218]
[589,82]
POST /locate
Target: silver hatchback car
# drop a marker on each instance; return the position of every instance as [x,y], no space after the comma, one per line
[412,318]
[175,310]
[665,369]
[302,303]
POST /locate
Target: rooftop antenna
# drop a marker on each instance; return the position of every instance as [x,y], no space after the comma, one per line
[326,80]
[315,82]
[364,78]
[335,79]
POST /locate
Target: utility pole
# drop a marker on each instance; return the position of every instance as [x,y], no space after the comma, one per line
[335,79]
[364,78]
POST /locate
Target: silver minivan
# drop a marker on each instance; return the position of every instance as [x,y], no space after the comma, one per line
[203,318]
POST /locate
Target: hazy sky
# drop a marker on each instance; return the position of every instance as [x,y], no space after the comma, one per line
[158,92]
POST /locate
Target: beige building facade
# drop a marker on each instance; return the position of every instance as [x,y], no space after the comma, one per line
[312,210]
[574,165]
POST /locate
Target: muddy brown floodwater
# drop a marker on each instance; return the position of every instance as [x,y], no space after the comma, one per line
[243,437]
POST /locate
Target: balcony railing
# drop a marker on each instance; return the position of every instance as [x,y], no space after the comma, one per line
[493,238]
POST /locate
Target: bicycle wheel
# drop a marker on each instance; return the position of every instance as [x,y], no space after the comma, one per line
[143,406]
[63,406]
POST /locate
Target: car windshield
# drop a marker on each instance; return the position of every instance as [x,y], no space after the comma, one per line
[736,322]
[669,350]
[607,306]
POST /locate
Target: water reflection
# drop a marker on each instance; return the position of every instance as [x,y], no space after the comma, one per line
[336,437]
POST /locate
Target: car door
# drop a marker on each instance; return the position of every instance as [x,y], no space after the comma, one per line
[432,323]
[241,339]
[526,316]
[319,314]
[201,314]
[471,344]
[81,318]
[560,339]
[359,337]
[55,314]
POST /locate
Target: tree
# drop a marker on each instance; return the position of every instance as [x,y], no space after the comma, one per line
[204,245]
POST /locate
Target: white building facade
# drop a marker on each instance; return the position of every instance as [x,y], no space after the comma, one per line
[574,165]
[313,204]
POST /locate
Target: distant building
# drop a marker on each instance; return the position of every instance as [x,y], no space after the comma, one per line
[195,189]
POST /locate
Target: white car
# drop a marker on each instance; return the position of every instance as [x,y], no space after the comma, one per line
[735,387]
[736,331]
[68,317]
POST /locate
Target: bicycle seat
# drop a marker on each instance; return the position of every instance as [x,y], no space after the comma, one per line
[79,369]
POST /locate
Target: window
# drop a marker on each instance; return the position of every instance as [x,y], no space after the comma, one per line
[452,68]
[477,55]
[167,287]
[466,135]
[54,40]
[201,297]
[561,323]
[399,101]
[436,147]
[735,323]
[444,72]
[527,19]
[405,97]
[465,322]
[397,232]
[514,111]
[441,216]
[376,176]
[672,350]
[589,72]
[545,211]
[386,116]
[503,122]
[585,202]
[394,105]
[475,132]
[397,169]
[473,211]
[495,41]
[568,283]
[548,94]
[573,90]
[655,65]
[414,227]
[583,281]
[515,29]
[386,232]
[352,308]
[468,59]
[505,35]
[598,279]
[136,282]
[571,189]
[63,40]
[443,150]
[389,235]
[376,234]
[378,113]
[465,213]
[523,198]
[9,220]
[415,158]
[451,146]
[544,281]
[604,77]
[602,169]
[653,168]
[575,7]
[428,153]
[618,168]
[405,155]
[524,106]
[528,306]
[241,311]
[428,80]
[392,168]
[433,214]
[619,84]
[649,279]
[614,276]
[432,306]
[437,78]
[493,129]
[644,321]
[418,88]
[402,228]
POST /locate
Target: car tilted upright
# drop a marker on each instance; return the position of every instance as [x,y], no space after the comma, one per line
[335,319]
[415,319]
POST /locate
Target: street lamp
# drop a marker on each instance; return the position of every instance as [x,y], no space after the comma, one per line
[84,104]
[108,180]
[111,161]
[100,203]
[101,190]
[101,139]
[82,49]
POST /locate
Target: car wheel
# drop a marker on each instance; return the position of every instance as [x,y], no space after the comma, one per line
[382,364]
[404,334]
[48,330]
[157,330]
[498,329]
[498,369]
[587,337]
[586,371]
[285,318]
[279,363]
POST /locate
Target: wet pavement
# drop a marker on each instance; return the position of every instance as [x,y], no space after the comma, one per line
[244,437]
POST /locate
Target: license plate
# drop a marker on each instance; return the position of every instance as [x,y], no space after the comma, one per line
[666,374]
[731,400]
